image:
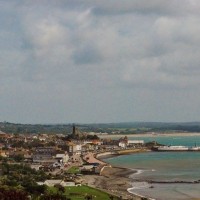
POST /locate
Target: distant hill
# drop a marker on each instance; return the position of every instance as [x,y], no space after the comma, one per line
[122,128]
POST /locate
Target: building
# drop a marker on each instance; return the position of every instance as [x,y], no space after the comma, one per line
[62,158]
[52,183]
[44,154]
[74,148]
[135,142]
[122,144]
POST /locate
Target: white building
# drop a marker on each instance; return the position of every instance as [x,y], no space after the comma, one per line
[51,183]
[122,144]
[135,142]
[78,147]
[63,158]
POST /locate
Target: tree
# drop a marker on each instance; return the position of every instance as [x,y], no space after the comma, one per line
[18,158]
[53,197]
[9,193]
[60,188]
[88,197]
[111,197]
[35,189]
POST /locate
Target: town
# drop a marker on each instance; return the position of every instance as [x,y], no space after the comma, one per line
[37,161]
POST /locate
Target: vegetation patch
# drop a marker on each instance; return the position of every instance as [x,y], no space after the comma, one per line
[73,170]
[83,193]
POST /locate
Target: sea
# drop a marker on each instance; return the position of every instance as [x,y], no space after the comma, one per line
[179,168]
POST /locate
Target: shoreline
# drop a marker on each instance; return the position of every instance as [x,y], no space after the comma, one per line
[115,181]
[119,181]
[170,134]
[135,184]
[138,195]
[126,184]
[130,173]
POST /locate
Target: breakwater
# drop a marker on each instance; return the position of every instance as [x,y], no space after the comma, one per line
[167,182]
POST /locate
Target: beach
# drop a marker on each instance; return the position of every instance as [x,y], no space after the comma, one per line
[163,175]
[160,171]
[114,180]
[173,134]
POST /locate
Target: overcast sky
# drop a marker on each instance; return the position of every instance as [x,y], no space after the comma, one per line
[91,61]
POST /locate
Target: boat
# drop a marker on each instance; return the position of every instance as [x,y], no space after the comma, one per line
[172,148]
[194,149]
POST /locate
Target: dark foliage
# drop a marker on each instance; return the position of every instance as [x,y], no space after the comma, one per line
[7,193]
[54,197]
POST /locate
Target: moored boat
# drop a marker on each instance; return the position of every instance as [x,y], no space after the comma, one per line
[172,148]
[194,148]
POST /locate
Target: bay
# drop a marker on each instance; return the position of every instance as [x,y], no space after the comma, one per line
[164,166]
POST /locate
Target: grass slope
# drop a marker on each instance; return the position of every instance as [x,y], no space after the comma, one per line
[80,192]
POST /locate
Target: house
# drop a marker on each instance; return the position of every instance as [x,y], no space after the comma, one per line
[97,142]
[2,145]
[43,137]
[44,154]
[73,148]
[88,169]
[60,142]
[63,158]
[88,147]
[4,135]
[52,183]
[92,168]
[135,142]
[3,153]
[122,144]
[78,148]
[18,152]
[35,166]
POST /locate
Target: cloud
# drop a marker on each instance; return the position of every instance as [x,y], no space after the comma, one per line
[86,55]
[97,51]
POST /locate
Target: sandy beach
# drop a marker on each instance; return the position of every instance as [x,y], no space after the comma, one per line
[117,180]
[170,134]
[90,158]
[114,180]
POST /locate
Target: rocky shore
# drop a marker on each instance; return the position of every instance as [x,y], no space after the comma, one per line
[114,180]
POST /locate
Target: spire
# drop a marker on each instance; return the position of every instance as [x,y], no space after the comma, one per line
[74,130]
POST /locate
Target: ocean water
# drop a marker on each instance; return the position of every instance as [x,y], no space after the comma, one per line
[172,140]
[164,166]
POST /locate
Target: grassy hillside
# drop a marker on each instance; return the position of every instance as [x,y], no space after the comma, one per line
[117,128]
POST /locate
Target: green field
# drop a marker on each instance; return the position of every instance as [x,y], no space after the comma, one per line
[73,170]
[82,192]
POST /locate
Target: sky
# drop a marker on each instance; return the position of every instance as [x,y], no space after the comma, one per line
[99,61]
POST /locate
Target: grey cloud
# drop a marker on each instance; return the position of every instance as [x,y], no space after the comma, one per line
[117,7]
[78,57]
[144,7]
[87,55]
[183,63]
